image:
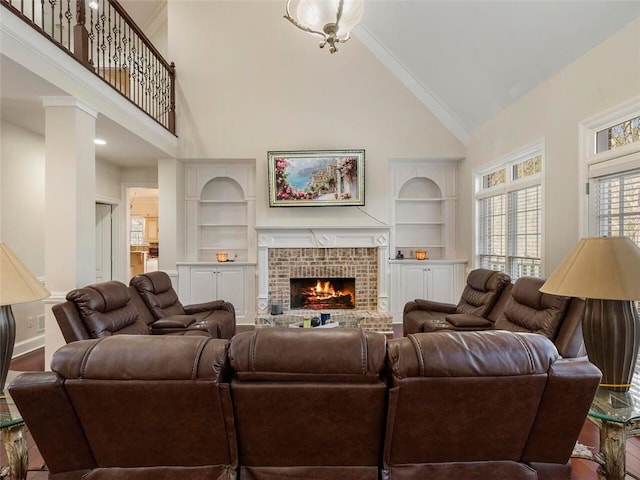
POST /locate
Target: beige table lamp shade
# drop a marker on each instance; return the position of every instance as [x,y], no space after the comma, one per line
[598,267]
[17,285]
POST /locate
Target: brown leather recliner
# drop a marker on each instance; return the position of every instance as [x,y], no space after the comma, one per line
[161,299]
[133,408]
[309,404]
[479,296]
[479,405]
[519,307]
[112,308]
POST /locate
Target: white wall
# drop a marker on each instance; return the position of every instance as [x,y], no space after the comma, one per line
[256,83]
[108,180]
[22,213]
[606,76]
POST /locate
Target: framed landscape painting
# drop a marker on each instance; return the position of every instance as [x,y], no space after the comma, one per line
[316,178]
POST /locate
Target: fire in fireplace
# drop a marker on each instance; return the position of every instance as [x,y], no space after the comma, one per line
[323,293]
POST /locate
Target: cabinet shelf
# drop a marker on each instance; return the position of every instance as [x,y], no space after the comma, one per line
[214,225]
[414,200]
[419,223]
[421,245]
[222,202]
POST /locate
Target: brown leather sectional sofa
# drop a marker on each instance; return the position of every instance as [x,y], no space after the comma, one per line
[149,305]
[490,301]
[308,404]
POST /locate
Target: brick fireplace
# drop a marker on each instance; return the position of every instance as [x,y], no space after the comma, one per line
[305,252]
[360,264]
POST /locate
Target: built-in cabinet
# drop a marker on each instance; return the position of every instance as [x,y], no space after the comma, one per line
[423,205]
[422,211]
[220,207]
[151,230]
[437,280]
[230,281]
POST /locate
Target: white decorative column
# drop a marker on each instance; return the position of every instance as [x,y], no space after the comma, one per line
[171,222]
[70,197]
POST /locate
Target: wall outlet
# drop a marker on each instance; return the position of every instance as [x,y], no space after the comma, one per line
[29,322]
[40,323]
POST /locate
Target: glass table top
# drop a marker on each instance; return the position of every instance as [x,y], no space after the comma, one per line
[618,407]
[9,414]
[296,318]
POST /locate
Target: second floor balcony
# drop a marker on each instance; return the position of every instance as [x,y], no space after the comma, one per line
[102,36]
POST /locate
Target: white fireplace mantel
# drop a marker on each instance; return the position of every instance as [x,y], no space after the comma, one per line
[322,237]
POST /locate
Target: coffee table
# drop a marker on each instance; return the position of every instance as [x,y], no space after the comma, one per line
[617,417]
[347,320]
[13,434]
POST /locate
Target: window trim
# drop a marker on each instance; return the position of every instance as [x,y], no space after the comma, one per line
[508,161]
[610,162]
[592,164]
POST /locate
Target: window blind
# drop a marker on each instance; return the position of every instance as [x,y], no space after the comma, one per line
[492,232]
[525,232]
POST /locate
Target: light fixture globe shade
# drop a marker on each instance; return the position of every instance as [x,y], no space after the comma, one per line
[315,14]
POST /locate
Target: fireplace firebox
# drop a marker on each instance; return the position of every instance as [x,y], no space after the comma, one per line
[323,293]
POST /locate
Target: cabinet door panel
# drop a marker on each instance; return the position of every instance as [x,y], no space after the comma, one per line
[413,283]
[440,284]
[203,285]
[231,287]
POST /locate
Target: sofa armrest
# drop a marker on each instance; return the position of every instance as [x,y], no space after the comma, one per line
[430,305]
[52,421]
[468,321]
[174,321]
[205,307]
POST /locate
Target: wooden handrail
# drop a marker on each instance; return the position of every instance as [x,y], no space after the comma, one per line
[120,9]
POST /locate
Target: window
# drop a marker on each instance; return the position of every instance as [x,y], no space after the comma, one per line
[617,204]
[137,231]
[509,215]
[611,157]
[618,135]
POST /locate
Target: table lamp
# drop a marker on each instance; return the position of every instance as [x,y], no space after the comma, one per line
[605,271]
[17,285]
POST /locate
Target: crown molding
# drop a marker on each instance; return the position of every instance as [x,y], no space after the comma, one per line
[421,91]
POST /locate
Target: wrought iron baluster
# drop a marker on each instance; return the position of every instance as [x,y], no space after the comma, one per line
[68,15]
[52,4]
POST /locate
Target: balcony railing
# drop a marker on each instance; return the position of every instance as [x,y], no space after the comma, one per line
[103,37]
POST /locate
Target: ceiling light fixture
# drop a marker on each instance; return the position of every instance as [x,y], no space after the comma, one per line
[333,20]
[99,141]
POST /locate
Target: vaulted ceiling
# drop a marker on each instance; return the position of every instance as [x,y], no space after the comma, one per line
[464,60]
[468,60]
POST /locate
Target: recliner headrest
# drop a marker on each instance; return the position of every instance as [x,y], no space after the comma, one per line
[485,280]
[478,279]
[101,297]
[471,354]
[287,354]
[156,282]
[526,291]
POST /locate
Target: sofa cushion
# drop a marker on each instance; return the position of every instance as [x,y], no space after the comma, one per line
[529,310]
[105,309]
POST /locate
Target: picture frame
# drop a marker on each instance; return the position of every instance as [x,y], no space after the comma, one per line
[316,178]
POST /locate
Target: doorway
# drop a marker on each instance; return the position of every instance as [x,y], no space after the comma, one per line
[143,241]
